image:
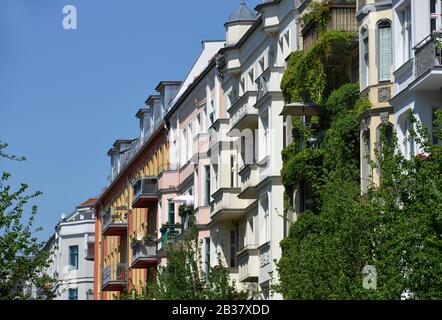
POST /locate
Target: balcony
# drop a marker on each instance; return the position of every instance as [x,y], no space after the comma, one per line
[428,63]
[269,83]
[249,175]
[342,18]
[114,277]
[168,176]
[226,205]
[242,113]
[114,222]
[248,263]
[169,233]
[145,192]
[144,254]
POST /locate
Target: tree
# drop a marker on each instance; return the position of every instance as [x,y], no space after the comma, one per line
[22,261]
[396,227]
[183,277]
[394,230]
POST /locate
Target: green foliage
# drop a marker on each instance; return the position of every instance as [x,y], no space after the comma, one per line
[319,15]
[183,277]
[314,74]
[305,164]
[396,227]
[22,261]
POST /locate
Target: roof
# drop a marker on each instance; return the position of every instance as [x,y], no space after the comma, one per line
[163,84]
[150,99]
[88,202]
[242,13]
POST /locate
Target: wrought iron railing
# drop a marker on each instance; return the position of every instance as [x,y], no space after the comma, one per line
[114,272]
[428,53]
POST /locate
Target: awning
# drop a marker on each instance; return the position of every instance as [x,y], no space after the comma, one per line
[184,199]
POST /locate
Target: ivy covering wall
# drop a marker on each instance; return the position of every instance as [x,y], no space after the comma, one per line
[395,229]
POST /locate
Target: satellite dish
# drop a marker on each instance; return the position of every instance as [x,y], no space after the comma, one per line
[63,216]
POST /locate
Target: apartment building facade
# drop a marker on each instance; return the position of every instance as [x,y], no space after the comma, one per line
[245,148]
[417,67]
[185,184]
[376,80]
[72,244]
[126,211]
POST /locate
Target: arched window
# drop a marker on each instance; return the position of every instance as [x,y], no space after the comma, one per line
[384,50]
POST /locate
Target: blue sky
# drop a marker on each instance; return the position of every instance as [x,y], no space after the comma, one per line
[66,95]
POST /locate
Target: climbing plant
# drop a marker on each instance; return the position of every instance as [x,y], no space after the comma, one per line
[396,227]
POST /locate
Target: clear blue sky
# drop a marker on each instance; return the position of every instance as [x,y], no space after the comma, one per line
[66,95]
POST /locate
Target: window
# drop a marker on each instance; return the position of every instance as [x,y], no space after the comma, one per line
[249,232]
[204,120]
[306,196]
[287,40]
[407,139]
[73,294]
[198,124]
[207,185]
[207,257]
[261,65]
[243,150]
[435,14]
[189,141]
[365,56]
[233,248]
[183,146]
[405,18]
[73,257]
[232,172]
[265,220]
[384,51]
[365,161]
[171,213]
[242,86]
[252,79]
[265,135]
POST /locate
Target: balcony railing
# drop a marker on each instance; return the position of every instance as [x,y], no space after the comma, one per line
[169,232]
[114,222]
[428,53]
[114,277]
[145,192]
[242,110]
[144,254]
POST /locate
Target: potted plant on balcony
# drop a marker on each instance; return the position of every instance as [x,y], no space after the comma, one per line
[149,239]
[134,241]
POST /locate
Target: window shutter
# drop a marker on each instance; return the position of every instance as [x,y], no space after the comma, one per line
[384,54]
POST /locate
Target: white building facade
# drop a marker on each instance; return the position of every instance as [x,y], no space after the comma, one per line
[417,63]
[247,204]
[72,261]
